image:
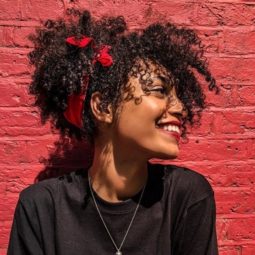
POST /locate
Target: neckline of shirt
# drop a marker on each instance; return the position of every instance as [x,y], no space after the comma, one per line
[123,207]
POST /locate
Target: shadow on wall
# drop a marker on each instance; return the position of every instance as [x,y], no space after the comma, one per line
[68,155]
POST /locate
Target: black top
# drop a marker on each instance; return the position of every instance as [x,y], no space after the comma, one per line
[58,216]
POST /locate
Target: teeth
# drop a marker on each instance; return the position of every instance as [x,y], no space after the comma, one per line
[172,128]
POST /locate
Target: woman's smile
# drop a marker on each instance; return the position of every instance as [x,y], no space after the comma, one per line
[171,129]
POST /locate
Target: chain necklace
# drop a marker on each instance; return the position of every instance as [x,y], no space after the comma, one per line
[118,250]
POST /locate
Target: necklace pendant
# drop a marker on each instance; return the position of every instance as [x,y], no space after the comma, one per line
[118,253]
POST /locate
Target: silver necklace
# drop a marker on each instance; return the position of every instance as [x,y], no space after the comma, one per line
[118,250]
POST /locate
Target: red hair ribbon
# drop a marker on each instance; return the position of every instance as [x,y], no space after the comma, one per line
[81,43]
[74,109]
[75,102]
[103,56]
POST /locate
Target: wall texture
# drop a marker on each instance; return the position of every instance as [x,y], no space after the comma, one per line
[222,148]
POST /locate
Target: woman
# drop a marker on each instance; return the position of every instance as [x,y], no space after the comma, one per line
[130,94]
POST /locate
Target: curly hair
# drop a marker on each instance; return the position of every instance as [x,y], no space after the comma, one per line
[60,68]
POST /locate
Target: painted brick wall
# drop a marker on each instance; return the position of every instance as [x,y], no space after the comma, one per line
[222,148]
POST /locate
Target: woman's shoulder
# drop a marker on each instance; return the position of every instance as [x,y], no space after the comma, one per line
[185,182]
[52,187]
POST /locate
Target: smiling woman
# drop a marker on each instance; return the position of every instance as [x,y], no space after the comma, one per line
[130,95]
[159,110]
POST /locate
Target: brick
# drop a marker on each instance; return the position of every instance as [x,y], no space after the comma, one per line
[15,93]
[20,36]
[233,69]
[179,12]
[235,200]
[20,23]
[6,36]
[240,174]
[239,42]
[205,127]
[198,149]
[19,178]
[41,10]
[27,131]
[246,95]
[233,122]
[4,233]
[227,14]
[226,98]
[20,171]
[7,207]
[47,149]
[10,9]
[28,155]
[11,36]
[230,121]
[211,38]
[226,250]
[231,95]
[3,251]
[248,250]
[221,229]
[27,176]
[15,186]
[19,118]
[241,229]
[13,64]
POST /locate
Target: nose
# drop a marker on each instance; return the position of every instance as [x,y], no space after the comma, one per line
[175,105]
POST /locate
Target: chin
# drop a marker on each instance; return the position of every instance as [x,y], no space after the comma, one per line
[172,156]
[167,155]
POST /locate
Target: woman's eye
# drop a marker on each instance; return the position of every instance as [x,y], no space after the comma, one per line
[161,90]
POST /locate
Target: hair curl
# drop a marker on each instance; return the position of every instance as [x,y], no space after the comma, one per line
[59,68]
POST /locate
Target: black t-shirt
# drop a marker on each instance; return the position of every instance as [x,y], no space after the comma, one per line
[58,216]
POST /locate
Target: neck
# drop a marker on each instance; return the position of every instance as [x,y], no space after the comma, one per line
[116,176]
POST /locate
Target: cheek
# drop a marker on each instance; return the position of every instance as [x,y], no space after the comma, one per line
[151,109]
[137,119]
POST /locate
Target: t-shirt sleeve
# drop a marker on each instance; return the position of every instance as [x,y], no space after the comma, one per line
[33,224]
[24,237]
[196,233]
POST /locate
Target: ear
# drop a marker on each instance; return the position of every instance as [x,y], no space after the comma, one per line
[102,115]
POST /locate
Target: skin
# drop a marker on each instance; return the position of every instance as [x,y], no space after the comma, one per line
[119,169]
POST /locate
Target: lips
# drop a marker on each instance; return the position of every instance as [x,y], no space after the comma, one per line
[171,133]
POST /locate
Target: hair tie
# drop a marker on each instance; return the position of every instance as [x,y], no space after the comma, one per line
[75,102]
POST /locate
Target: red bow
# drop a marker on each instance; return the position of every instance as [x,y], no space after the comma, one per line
[81,43]
[103,56]
[75,102]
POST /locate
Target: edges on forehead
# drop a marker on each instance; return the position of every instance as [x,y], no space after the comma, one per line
[142,64]
[146,70]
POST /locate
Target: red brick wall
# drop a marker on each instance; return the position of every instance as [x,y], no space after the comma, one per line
[223,148]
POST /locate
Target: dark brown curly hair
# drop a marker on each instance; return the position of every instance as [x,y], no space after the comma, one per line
[60,68]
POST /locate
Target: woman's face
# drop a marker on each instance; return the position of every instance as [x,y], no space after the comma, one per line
[150,127]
